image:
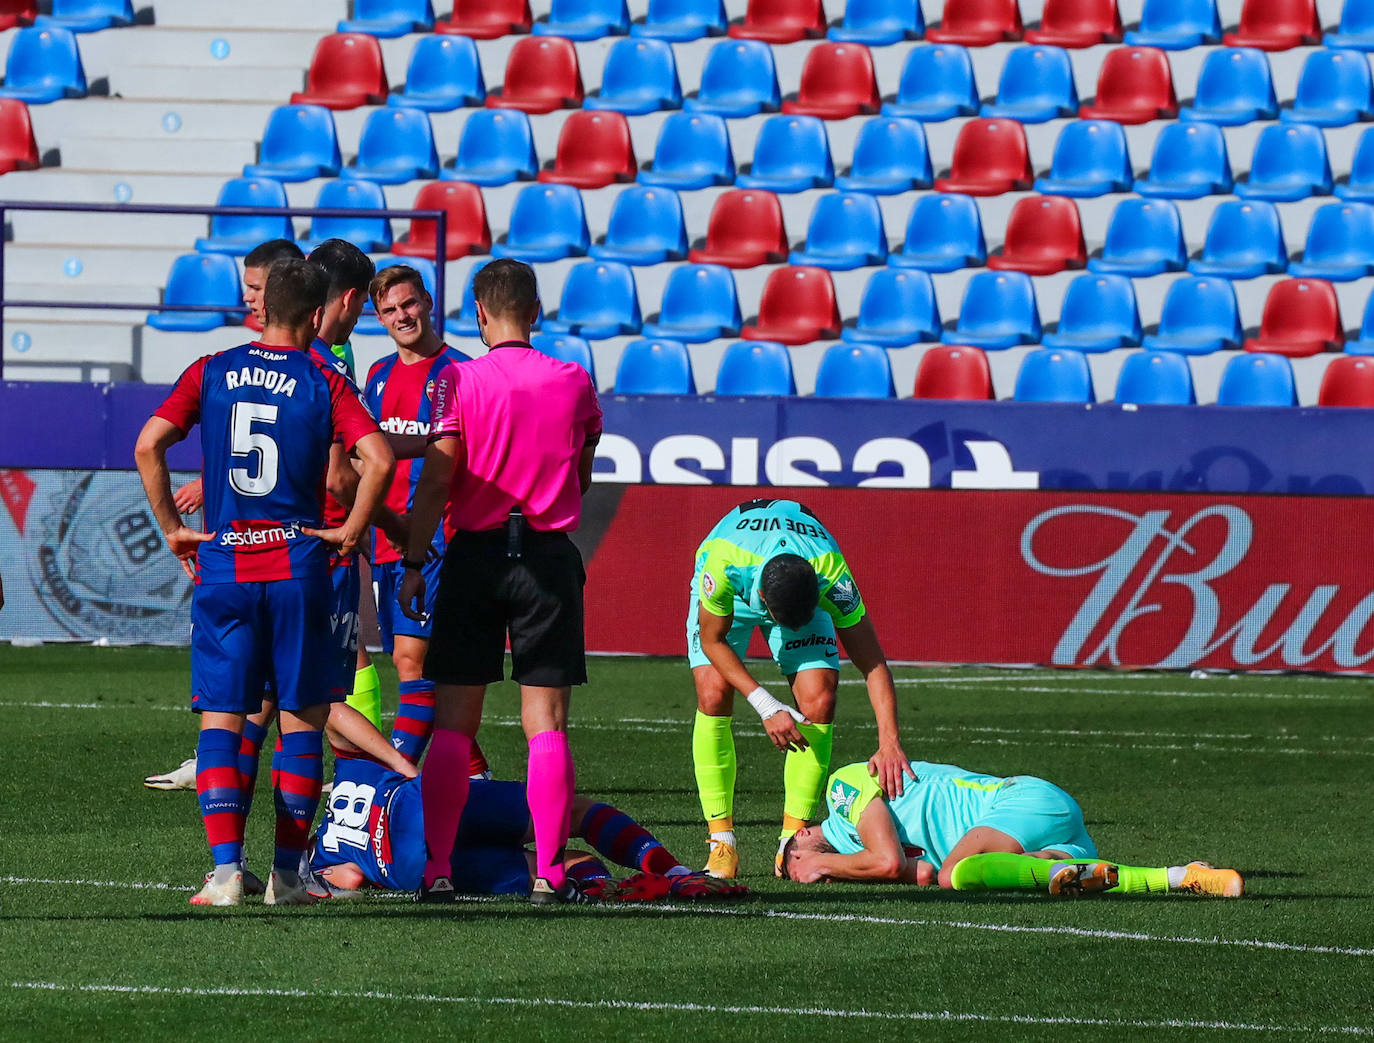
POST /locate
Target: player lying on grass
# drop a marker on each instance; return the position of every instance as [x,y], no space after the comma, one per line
[973,832]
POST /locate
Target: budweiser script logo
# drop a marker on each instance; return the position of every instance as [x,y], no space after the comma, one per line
[1151,536]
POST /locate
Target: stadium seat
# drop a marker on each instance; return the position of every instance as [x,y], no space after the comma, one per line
[855,371]
[990,157]
[1276,25]
[639,76]
[791,154]
[1155,378]
[1289,163]
[959,373]
[199,279]
[755,367]
[890,156]
[464,322]
[1348,381]
[1176,25]
[1134,85]
[678,21]
[837,82]
[1359,186]
[781,21]
[977,23]
[18,148]
[495,148]
[645,227]
[397,145]
[298,144]
[444,74]
[692,151]
[898,308]
[1356,31]
[879,22]
[43,65]
[542,75]
[1044,236]
[465,227]
[566,348]
[236,234]
[1234,87]
[1077,23]
[599,301]
[1199,316]
[369,234]
[1189,161]
[369,325]
[937,84]
[16,13]
[585,19]
[1334,90]
[846,231]
[797,306]
[88,16]
[1261,379]
[1090,159]
[547,222]
[1098,314]
[594,150]
[654,367]
[487,19]
[1144,237]
[699,304]
[346,71]
[745,229]
[998,310]
[738,79]
[943,234]
[1036,86]
[389,18]
[1244,240]
[1364,343]
[1054,375]
[1301,317]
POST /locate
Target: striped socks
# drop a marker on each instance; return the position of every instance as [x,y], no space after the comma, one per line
[297,772]
[414,719]
[623,840]
[217,786]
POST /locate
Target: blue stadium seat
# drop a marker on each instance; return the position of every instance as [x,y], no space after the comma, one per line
[298,144]
[464,322]
[1244,240]
[566,348]
[1189,161]
[654,367]
[547,222]
[1090,159]
[692,151]
[1199,316]
[88,16]
[1036,86]
[599,301]
[645,228]
[755,367]
[368,324]
[389,18]
[397,146]
[898,308]
[199,279]
[1144,237]
[1289,163]
[739,79]
[890,156]
[791,154]
[1098,314]
[235,234]
[1334,89]
[1364,343]
[855,371]
[1155,378]
[444,74]
[1234,87]
[678,21]
[369,234]
[998,311]
[1340,243]
[846,231]
[1258,379]
[1176,25]
[699,303]
[937,84]
[1356,31]
[639,76]
[879,22]
[1054,375]
[43,65]
[585,19]
[943,234]
[496,148]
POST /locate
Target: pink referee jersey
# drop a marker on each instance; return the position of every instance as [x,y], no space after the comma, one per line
[524,419]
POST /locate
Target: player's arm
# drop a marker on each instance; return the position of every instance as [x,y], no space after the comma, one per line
[585,462]
[890,762]
[150,455]
[408,447]
[190,497]
[426,508]
[376,466]
[779,720]
[352,732]
[882,857]
[593,429]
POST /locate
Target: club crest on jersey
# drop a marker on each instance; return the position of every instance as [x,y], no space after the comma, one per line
[844,594]
[842,797]
[429,390]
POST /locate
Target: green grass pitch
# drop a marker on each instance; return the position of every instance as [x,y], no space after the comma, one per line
[1266,774]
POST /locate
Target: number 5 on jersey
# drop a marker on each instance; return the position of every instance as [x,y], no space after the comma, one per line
[261,479]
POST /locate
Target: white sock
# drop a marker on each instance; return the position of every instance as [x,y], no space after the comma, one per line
[224,873]
[724,836]
[1176,874]
[678,871]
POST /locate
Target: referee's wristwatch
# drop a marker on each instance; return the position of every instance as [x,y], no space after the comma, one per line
[409,564]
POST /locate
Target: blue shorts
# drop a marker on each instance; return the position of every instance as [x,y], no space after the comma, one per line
[1040,816]
[489,855]
[343,622]
[386,584]
[813,647]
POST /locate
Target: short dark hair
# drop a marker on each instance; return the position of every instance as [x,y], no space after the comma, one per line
[394,275]
[264,255]
[347,267]
[295,288]
[790,589]
[507,288]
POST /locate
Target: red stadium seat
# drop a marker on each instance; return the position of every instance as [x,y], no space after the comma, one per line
[797,306]
[466,230]
[837,82]
[1077,23]
[745,230]
[487,19]
[954,372]
[781,21]
[17,12]
[1276,25]
[18,150]
[1348,381]
[990,157]
[977,23]
[594,150]
[1044,236]
[1134,85]
[345,72]
[1301,317]
[542,75]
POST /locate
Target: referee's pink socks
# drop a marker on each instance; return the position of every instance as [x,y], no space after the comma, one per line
[550,794]
[444,794]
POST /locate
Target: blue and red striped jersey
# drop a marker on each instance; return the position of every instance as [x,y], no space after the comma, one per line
[334,511]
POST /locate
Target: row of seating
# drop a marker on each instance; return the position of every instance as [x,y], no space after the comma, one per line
[77,16]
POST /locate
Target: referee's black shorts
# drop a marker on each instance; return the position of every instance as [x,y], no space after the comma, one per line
[537,597]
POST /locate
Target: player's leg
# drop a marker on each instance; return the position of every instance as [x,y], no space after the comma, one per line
[1057,872]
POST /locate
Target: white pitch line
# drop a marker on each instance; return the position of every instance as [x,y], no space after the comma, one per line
[127,884]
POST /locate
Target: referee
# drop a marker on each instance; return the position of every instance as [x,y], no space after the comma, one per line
[510,451]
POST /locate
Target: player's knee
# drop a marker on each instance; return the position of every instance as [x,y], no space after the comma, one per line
[946,877]
[714,694]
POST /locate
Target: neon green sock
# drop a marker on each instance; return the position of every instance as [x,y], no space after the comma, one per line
[713,757]
[367,695]
[1134,880]
[999,871]
[804,773]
